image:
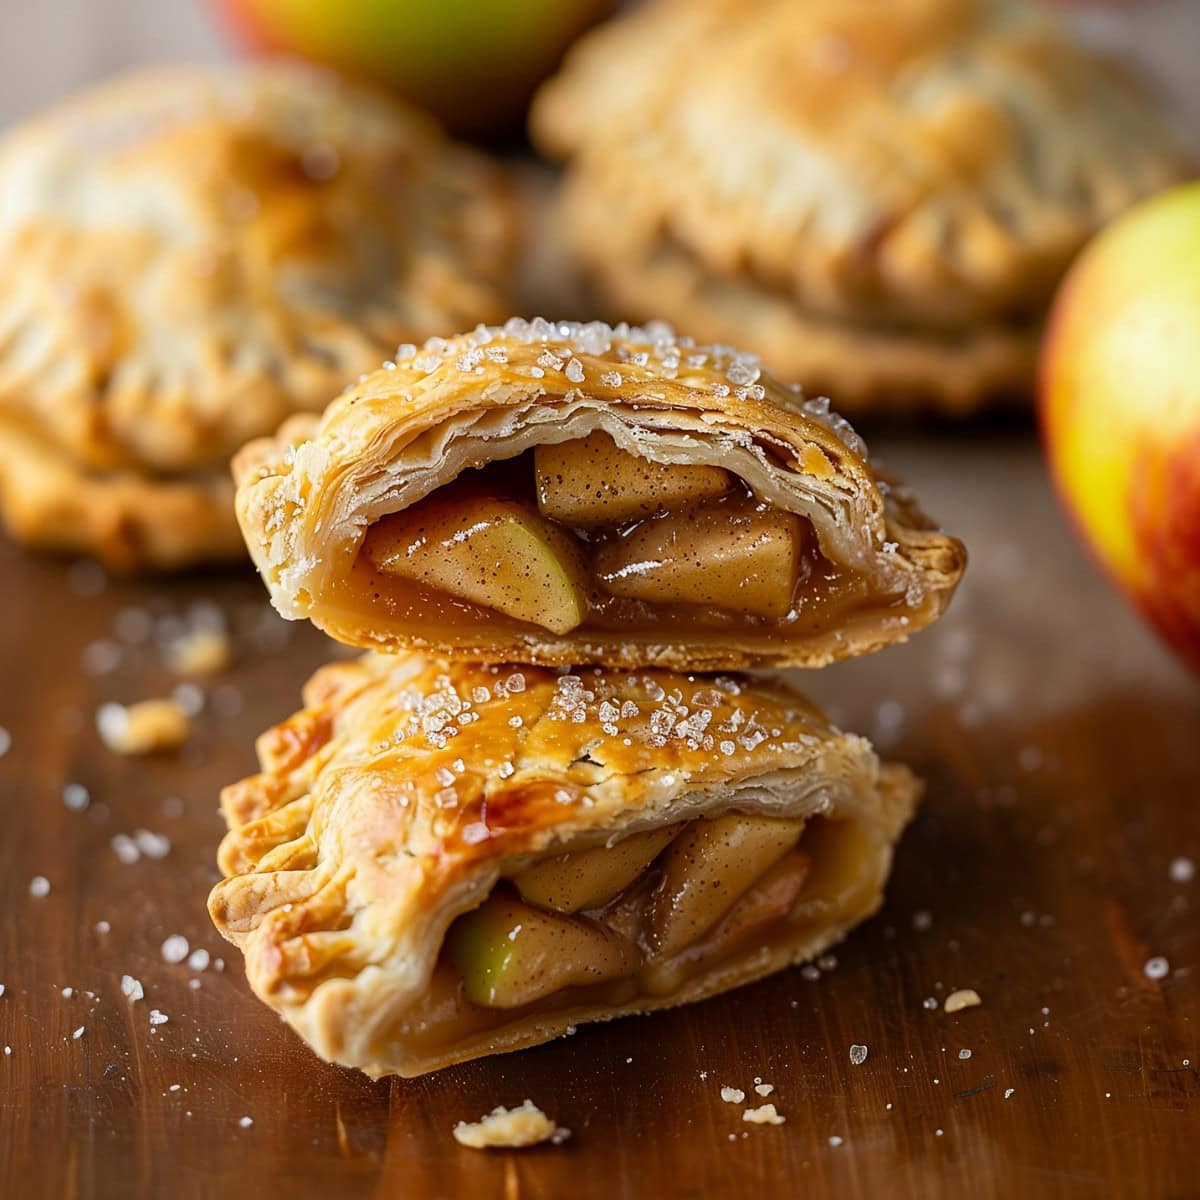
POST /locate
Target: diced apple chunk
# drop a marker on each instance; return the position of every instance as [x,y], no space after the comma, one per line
[510,953]
[707,869]
[592,482]
[487,548]
[591,878]
[737,559]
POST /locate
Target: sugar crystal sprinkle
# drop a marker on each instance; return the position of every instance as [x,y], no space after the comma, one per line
[175,948]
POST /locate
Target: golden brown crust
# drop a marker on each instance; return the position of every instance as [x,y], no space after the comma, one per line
[192,253]
[349,855]
[908,179]
[128,521]
[306,497]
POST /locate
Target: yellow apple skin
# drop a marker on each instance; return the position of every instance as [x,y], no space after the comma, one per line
[1120,407]
[472,63]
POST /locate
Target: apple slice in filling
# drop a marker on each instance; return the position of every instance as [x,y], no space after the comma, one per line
[591,483]
[510,953]
[707,868]
[491,549]
[591,878]
[740,559]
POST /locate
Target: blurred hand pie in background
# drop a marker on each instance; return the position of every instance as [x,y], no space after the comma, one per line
[877,198]
[191,254]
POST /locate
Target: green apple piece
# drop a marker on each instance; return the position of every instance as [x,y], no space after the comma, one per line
[490,549]
[707,869]
[741,560]
[592,482]
[591,878]
[510,953]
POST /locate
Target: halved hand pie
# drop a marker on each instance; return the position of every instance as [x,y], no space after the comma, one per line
[441,861]
[573,493]
[192,254]
[877,197]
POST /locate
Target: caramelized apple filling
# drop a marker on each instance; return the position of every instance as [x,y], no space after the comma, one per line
[616,925]
[585,535]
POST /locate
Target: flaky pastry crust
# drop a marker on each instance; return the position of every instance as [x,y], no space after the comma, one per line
[306,497]
[127,520]
[876,197]
[192,253]
[348,856]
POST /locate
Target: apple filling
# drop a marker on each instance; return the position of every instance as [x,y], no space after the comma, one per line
[631,924]
[583,535]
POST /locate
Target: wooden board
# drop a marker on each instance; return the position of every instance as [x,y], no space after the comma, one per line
[1062,748]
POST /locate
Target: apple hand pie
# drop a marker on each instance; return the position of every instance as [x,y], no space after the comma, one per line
[563,493]
[878,198]
[193,254]
[442,861]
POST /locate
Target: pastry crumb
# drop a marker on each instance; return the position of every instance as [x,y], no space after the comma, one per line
[732,1095]
[764,1114]
[764,1089]
[142,728]
[200,652]
[510,1128]
[963,998]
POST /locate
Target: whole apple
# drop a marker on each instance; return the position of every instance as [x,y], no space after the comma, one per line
[1120,407]
[473,63]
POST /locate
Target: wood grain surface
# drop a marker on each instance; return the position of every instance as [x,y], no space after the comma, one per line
[1062,752]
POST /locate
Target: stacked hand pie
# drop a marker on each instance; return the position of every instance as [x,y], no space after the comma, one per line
[544,796]
[191,254]
[878,198]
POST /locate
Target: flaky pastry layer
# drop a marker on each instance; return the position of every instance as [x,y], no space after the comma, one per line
[307,497]
[404,790]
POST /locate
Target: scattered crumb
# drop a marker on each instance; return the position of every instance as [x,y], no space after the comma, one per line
[835,1141]
[764,1089]
[77,1034]
[246,1122]
[39,887]
[200,652]
[103,927]
[858,1055]
[1,989]
[5,741]
[156,1017]
[764,1114]
[142,728]
[131,988]
[732,1095]
[963,998]
[198,959]
[1157,967]
[510,1128]
[922,920]
[1008,1092]
[964,1054]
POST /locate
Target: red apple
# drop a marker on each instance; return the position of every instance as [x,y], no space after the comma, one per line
[1120,407]
[473,63]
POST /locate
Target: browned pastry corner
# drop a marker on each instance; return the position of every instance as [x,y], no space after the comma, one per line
[879,199]
[190,255]
[442,861]
[561,493]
